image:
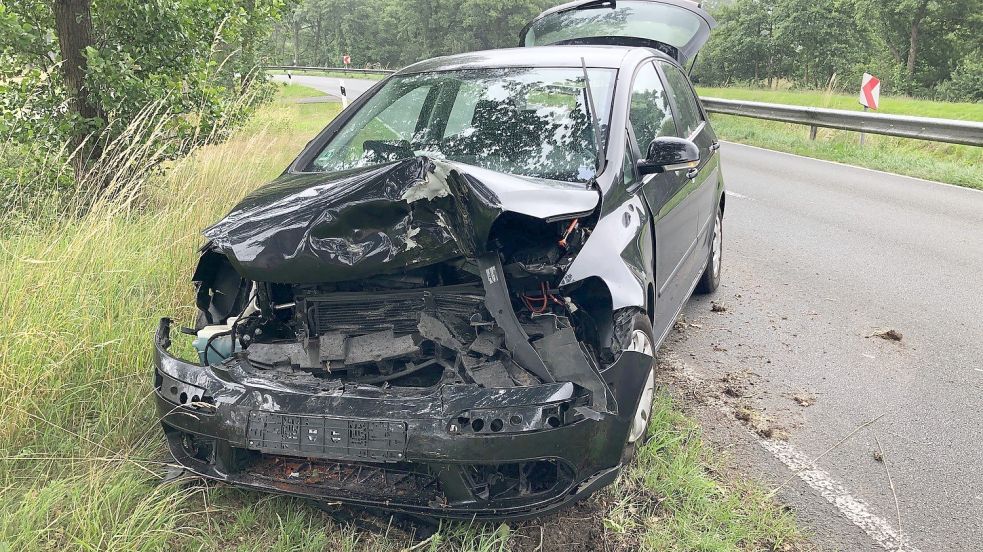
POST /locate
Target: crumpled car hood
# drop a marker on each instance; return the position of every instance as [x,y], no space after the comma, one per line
[328,227]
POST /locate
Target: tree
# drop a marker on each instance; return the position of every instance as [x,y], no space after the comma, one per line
[920,36]
[80,71]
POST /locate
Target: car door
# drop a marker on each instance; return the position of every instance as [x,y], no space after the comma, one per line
[667,194]
[692,125]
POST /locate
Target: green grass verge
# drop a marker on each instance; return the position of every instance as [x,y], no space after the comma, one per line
[81,451]
[294,91]
[950,163]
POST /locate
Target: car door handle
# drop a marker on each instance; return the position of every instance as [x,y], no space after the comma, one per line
[715,146]
[691,174]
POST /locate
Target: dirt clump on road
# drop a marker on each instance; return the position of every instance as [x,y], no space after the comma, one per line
[804,399]
[888,335]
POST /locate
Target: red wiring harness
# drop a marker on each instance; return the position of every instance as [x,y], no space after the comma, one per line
[546,296]
[573,226]
[539,304]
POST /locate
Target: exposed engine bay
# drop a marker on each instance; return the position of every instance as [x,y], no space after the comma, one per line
[445,322]
[419,328]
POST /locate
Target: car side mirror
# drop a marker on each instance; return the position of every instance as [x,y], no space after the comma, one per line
[668,153]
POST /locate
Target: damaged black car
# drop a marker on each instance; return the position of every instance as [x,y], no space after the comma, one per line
[450,302]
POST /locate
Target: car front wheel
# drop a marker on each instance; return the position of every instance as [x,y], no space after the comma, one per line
[641,341]
[711,274]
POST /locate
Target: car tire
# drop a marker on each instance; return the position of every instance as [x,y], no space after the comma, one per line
[640,339]
[710,280]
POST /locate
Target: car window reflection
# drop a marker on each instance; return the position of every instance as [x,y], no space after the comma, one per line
[524,121]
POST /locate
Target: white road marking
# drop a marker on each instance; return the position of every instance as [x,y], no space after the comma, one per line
[735,194]
[854,509]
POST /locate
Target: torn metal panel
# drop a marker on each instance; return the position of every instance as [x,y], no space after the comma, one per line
[615,254]
[352,224]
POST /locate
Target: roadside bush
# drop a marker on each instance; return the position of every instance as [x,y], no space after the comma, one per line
[161,79]
[966,84]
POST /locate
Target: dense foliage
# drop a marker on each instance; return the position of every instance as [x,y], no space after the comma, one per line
[395,33]
[927,48]
[176,72]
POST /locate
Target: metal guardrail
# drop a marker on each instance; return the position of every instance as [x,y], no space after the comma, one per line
[903,126]
[330,69]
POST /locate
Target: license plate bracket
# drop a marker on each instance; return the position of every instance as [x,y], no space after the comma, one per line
[327,437]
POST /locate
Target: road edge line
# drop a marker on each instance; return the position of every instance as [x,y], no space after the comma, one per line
[854,509]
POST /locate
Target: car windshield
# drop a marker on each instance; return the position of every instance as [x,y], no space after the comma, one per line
[665,23]
[523,121]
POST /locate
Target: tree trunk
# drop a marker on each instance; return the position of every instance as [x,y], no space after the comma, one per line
[296,39]
[317,57]
[913,37]
[73,27]
[246,48]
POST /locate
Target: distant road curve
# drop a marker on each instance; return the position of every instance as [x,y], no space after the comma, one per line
[329,85]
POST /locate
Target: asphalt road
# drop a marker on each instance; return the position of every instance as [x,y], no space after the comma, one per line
[329,85]
[819,257]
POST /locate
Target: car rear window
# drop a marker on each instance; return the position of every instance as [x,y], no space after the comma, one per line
[666,23]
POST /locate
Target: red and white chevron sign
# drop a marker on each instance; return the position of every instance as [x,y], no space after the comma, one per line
[870,91]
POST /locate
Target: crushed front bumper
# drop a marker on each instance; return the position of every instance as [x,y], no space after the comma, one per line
[450,451]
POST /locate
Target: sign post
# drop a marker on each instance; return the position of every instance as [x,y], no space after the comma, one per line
[346,60]
[870,95]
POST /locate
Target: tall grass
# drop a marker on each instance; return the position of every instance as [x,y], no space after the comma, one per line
[79,298]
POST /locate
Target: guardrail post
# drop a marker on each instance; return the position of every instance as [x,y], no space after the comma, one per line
[862,132]
[812,131]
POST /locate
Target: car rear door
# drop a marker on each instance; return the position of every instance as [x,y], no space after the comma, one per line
[691,124]
[679,28]
[668,194]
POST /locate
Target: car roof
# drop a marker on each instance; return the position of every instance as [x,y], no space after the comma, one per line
[539,56]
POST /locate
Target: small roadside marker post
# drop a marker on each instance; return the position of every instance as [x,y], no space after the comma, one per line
[870,95]
[344,95]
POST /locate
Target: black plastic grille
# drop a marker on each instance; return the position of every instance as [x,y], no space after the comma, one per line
[367,312]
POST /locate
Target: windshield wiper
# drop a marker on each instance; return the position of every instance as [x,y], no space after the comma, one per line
[592,113]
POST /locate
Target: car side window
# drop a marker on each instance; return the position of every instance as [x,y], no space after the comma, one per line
[689,117]
[649,112]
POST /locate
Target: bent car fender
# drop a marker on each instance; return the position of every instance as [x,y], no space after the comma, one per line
[624,229]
